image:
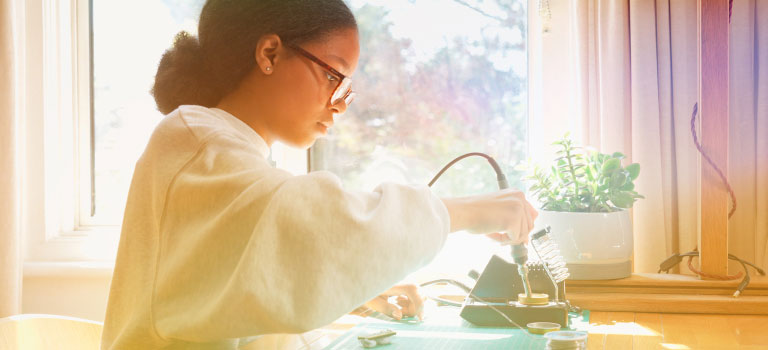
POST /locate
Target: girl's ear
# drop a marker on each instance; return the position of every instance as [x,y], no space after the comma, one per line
[267,53]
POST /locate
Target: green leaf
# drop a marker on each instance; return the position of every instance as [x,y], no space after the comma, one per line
[618,179]
[622,199]
[618,155]
[629,186]
[634,170]
[611,165]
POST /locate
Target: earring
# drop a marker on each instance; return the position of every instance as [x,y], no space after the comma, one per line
[268,69]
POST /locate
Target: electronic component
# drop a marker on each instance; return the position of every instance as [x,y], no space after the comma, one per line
[566,340]
[375,339]
[542,327]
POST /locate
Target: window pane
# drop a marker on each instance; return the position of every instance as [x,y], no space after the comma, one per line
[436,79]
[129,37]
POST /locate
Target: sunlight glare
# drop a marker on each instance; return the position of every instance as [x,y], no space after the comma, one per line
[451,335]
[630,328]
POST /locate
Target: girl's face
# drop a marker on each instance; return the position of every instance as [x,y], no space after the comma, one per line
[297,89]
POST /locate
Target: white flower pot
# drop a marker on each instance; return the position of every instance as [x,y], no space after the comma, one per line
[596,246]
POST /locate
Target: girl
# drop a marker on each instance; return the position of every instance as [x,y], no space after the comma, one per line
[216,244]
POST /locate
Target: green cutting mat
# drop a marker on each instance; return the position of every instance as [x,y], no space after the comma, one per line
[445,329]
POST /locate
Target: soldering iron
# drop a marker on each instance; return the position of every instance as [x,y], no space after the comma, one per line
[519,251]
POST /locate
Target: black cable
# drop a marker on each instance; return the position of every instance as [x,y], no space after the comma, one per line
[449,281]
[759,270]
[745,282]
[676,258]
[503,184]
[499,174]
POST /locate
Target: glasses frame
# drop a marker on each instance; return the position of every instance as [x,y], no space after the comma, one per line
[343,79]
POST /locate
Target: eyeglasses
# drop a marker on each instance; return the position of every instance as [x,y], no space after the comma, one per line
[343,91]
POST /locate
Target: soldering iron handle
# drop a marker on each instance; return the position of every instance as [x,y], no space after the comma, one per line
[520,254]
[519,251]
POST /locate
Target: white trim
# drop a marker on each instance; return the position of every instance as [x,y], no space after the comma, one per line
[68,269]
[59,318]
[55,116]
[58,115]
[83,113]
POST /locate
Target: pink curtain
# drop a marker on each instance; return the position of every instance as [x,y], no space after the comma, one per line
[748,152]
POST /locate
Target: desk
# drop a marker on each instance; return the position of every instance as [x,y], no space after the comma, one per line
[607,330]
[442,328]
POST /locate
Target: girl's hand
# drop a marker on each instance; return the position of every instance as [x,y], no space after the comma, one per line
[505,211]
[408,302]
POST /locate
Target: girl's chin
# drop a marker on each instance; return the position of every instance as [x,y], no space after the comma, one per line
[303,143]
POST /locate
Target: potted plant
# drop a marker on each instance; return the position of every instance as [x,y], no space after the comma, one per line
[585,198]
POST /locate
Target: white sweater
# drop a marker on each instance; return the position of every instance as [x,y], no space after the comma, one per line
[218,245]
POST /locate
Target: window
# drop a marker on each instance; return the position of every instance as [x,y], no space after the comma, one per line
[124,62]
[436,79]
[129,37]
[87,71]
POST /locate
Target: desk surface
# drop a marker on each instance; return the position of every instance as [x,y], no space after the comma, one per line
[607,330]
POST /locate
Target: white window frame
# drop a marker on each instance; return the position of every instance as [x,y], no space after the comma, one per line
[54,56]
[55,117]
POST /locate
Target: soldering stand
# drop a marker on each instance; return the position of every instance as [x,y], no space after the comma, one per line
[499,285]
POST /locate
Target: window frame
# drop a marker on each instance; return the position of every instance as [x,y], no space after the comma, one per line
[55,49]
[55,117]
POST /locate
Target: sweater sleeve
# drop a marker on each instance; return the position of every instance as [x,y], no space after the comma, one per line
[247,249]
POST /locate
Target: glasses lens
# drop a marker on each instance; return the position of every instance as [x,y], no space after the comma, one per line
[342,91]
[351,97]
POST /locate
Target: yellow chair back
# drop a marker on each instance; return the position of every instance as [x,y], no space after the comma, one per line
[33,332]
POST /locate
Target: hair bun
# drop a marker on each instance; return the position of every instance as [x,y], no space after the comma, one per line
[182,76]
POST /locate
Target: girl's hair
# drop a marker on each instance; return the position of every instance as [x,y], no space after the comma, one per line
[202,71]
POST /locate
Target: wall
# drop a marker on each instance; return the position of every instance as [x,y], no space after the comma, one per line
[68,294]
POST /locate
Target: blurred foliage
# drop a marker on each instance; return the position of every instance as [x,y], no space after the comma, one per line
[411,116]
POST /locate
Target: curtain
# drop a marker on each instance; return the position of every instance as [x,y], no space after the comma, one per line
[748,134]
[623,76]
[10,257]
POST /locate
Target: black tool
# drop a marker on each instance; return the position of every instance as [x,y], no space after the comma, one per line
[496,292]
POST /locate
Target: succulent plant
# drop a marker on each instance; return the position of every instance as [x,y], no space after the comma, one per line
[585,181]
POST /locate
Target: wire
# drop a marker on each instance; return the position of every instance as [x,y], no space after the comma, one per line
[711,276]
[449,281]
[709,160]
[469,291]
[453,282]
[676,258]
[499,174]
[759,270]
[502,179]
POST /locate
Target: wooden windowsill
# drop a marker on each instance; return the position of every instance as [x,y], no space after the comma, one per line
[670,294]
[669,284]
